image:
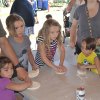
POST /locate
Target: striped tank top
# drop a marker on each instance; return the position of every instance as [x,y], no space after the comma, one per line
[49,52]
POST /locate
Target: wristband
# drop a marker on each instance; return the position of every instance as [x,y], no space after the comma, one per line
[18,65]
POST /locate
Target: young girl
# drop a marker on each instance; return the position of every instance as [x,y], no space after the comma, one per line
[7,87]
[88,58]
[49,38]
[19,42]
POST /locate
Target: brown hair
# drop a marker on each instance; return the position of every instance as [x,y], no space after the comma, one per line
[11,19]
[4,61]
[48,16]
[90,43]
[44,32]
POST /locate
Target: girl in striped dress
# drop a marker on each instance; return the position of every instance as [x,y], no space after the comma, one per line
[49,38]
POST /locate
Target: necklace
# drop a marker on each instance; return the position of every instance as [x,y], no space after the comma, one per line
[89,22]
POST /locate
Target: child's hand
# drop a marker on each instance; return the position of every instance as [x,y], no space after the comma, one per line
[34,67]
[61,69]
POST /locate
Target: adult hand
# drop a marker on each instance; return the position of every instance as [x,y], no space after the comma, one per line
[72,44]
[22,74]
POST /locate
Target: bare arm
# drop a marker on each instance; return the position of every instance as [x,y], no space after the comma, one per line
[43,56]
[62,68]
[73,33]
[31,59]
[70,5]
[19,86]
[80,66]
[62,54]
[9,52]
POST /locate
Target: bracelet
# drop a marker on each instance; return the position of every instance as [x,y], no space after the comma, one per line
[18,65]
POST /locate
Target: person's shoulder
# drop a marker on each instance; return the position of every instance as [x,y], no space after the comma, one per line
[81,7]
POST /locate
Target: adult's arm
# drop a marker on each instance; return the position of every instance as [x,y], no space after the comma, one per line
[70,4]
[9,52]
[73,33]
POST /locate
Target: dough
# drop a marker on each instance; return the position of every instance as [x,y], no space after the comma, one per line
[33,73]
[34,86]
[81,72]
[60,72]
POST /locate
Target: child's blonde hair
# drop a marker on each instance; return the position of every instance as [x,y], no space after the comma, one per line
[11,19]
[44,32]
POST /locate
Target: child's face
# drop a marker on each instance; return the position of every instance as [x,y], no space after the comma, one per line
[7,71]
[19,28]
[54,32]
[84,50]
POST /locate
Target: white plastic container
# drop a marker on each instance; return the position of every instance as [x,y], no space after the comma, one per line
[80,94]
